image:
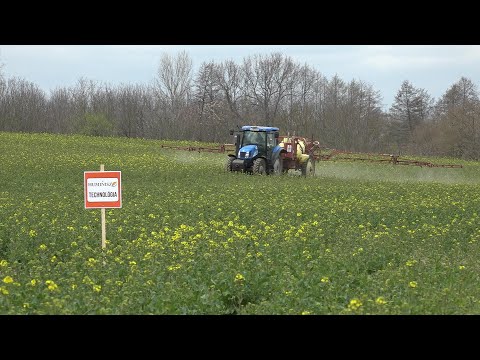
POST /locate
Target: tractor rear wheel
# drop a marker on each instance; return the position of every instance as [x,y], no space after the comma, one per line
[228,165]
[259,167]
[277,166]
[308,169]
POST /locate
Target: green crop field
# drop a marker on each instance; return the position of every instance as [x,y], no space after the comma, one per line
[359,238]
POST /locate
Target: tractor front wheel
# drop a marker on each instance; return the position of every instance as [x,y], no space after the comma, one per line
[309,168]
[228,165]
[259,167]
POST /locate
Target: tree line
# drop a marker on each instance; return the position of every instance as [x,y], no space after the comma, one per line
[183,104]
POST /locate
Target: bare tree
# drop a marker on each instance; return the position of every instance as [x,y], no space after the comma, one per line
[3,90]
[335,98]
[267,80]
[23,106]
[299,100]
[130,116]
[206,95]
[174,78]
[174,85]
[458,112]
[229,77]
[2,65]
[60,110]
[2,79]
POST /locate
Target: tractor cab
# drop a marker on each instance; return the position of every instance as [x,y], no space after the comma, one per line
[256,141]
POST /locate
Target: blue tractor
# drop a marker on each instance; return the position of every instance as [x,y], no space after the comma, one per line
[261,150]
[256,151]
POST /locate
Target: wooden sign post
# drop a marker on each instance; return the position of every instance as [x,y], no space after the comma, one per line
[104,226]
[103,190]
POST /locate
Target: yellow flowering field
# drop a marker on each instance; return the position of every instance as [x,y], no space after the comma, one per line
[190,238]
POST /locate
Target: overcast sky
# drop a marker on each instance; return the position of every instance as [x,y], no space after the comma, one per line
[432,67]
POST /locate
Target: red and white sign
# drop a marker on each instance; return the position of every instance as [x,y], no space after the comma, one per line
[103,189]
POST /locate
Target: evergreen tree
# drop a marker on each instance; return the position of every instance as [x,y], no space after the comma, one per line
[411,107]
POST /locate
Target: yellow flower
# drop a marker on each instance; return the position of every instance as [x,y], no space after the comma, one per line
[354,304]
[380,300]
[3,263]
[4,291]
[97,288]
[461,267]
[325,279]
[239,278]
[7,279]
[411,262]
[53,259]
[412,284]
[26,305]
[174,267]
[43,247]
[32,233]
[74,286]
[33,282]
[299,214]
[51,285]
[306,312]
